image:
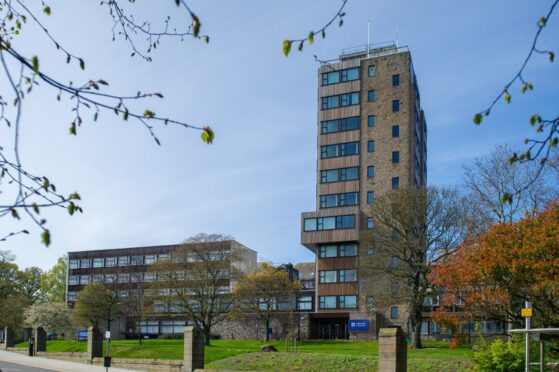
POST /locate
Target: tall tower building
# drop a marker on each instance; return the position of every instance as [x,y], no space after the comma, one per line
[371,139]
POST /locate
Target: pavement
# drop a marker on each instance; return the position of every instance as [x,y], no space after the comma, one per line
[13,362]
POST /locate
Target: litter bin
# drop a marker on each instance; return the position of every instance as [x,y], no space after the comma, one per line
[31,346]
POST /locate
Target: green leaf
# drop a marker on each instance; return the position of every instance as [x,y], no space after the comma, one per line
[73,128]
[149,114]
[507,97]
[286,47]
[551,56]
[45,237]
[46,10]
[14,214]
[35,208]
[46,183]
[507,198]
[553,142]
[300,47]
[535,119]
[478,118]
[207,135]
[542,21]
[195,25]
[206,39]
[311,37]
[71,209]
[75,196]
[35,63]
[82,64]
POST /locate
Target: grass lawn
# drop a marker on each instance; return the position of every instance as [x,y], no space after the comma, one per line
[310,355]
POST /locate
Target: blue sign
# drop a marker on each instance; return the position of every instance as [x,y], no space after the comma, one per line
[82,335]
[359,324]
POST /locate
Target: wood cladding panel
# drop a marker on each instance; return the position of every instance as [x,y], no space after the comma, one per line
[339,137]
[318,237]
[340,88]
[339,162]
[337,263]
[338,289]
[338,187]
[337,113]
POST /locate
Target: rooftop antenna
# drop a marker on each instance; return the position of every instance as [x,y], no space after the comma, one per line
[396,36]
[368,36]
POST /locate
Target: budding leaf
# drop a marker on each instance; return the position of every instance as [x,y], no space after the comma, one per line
[73,128]
[551,56]
[15,214]
[311,37]
[71,209]
[286,47]
[478,118]
[46,10]
[195,25]
[535,118]
[542,21]
[75,195]
[507,198]
[507,97]
[148,114]
[300,48]
[35,63]
[45,237]
[207,135]
[82,64]
[206,39]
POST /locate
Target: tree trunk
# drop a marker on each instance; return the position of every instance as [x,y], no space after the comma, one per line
[416,328]
[207,335]
[266,330]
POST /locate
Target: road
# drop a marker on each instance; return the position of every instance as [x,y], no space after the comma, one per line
[12,367]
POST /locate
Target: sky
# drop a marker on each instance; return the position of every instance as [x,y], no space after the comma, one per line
[258,176]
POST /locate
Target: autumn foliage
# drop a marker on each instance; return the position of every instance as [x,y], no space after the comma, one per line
[490,277]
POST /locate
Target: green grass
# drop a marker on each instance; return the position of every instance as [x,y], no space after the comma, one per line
[310,355]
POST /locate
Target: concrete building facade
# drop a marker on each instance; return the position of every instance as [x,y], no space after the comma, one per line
[371,139]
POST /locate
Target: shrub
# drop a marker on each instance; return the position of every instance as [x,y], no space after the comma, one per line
[500,356]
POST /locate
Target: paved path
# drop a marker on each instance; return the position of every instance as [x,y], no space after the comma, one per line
[20,362]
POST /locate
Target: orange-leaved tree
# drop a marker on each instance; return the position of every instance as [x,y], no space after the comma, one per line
[491,276]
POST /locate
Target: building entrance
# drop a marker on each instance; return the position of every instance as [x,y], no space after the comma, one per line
[330,328]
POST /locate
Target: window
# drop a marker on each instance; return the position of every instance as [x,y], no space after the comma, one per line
[349,198]
[369,302]
[395,131]
[372,95]
[149,277]
[73,280]
[135,277]
[123,278]
[74,264]
[98,262]
[394,262]
[370,171]
[110,278]
[348,276]
[84,279]
[349,174]
[110,261]
[395,80]
[123,293]
[328,251]
[330,223]
[327,302]
[370,223]
[372,71]
[371,121]
[348,250]
[328,276]
[149,260]
[395,157]
[340,125]
[370,250]
[395,183]
[341,149]
[328,201]
[123,261]
[98,278]
[348,302]
[371,146]
[72,296]
[370,197]
[394,312]
[304,303]
[85,264]
[164,257]
[346,99]
[396,106]
[395,287]
[137,260]
[334,200]
[334,77]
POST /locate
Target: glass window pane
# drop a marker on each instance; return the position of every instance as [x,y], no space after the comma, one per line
[395,157]
[328,251]
[348,250]
[330,126]
[370,196]
[371,146]
[328,223]
[396,131]
[371,121]
[347,222]
[395,80]
[352,74]
[372,71]
[370,171]
[310,224]
[396,106]
[372,96]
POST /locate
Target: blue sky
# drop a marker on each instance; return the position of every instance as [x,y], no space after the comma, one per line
[259,174]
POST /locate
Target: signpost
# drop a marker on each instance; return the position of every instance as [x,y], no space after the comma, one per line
[527,314]
[358,324]
[107,360]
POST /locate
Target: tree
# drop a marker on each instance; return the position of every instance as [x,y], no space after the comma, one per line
[513,262]
[53,282]
[492,177]
[8,275]
[414,229]
[196,280]
[137,305]
[23,74]
[266,293]
[54,317]
[29,283]
[96,305]
[547,129]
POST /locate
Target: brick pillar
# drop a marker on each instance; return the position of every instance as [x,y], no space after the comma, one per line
[193,349]
[40,339]
[392,350]
[9,338]
[94,344]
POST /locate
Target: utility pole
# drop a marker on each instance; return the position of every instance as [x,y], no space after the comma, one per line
[527,314]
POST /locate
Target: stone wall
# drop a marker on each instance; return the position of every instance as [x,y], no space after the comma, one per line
[248,328]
